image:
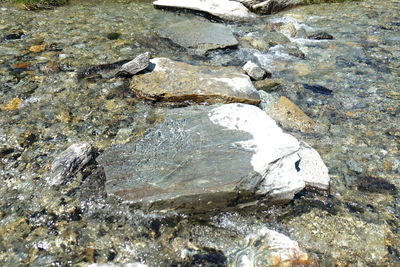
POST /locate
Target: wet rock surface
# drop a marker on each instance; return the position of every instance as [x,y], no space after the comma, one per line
[199,36]
[207,158]
[45,110]
[174,81]
[69,162]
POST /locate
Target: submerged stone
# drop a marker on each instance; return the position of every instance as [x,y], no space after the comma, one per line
[224,9]
[201,36]
[174,81]
[208,158]
[291,116]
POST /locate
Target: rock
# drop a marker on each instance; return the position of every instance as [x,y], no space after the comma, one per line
[13,104]
[224,9]
[49,67]
[293,50]
[21,65]
[273,6]
[268,85]
[269,248]
[198,35]
[138,64]
[255,41]
[254,71]
[266,40]
[131,264]
[37,48]
[319,89]
[321,36]
[210,158]
[275,38]
[96,70]
[69,162]
[289,29]
[291,116]
[173,81]
[113,35]
[5,150]
[13,36]
[301,33]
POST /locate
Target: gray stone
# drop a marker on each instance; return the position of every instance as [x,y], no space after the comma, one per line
[199,35]
[69,162]
[254,71]
[269,6]
[139,63]
[263,41]
[268,248]
[224,9]
[205,158]
[174,81]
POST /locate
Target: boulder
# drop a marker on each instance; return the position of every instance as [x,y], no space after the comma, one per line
[210,158]
[224,9]
[200,36]
[174,81]
[269,248]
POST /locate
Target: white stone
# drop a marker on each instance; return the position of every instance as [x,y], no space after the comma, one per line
[224,9]
[286,164]
[269,142]
[312,168]
[267,248]
[254,71]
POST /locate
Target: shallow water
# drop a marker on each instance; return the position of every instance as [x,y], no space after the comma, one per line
[358,137]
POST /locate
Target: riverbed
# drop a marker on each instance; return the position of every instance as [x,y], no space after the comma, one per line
[46,106]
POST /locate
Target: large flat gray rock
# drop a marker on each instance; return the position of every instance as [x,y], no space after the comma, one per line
[200,36]
[205,158]
[224,9]
[174,81]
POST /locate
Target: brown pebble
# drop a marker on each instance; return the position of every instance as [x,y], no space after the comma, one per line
[37,48]
[21,65]
[13,104]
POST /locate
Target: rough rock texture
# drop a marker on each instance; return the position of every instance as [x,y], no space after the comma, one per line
[139,63]
[207,158]
[174,81]
[291,116]
[268,85]
[265,40]
[69,162]
[199,35]
[269,248]
[254,71]
[224,9]
[269,6]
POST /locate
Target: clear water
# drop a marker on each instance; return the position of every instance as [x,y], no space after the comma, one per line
[358,137]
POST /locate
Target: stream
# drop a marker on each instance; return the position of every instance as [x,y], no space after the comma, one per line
[46,106]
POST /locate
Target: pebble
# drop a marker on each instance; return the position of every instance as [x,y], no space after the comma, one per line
[321,36]
[37,48]
[13,104]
